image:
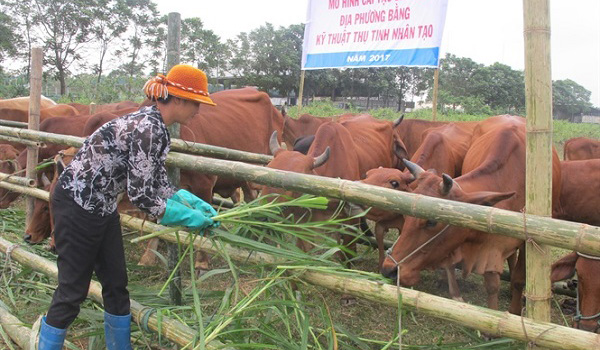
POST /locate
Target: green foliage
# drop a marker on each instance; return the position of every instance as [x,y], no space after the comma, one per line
[570,98]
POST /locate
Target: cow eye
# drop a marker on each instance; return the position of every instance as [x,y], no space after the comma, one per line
[430,223]
[394,184]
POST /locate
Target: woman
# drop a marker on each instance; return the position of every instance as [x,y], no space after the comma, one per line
[126,154]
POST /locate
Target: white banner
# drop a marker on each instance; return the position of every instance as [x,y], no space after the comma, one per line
[373,33]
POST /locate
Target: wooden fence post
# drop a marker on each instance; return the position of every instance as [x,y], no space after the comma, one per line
[173,57]
[35,96]
[538,190]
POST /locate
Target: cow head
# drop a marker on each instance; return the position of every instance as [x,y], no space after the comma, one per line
[391,178]
[588,287]
[39,227]
[417,231]
[8,165]
[42,225]
[291,161]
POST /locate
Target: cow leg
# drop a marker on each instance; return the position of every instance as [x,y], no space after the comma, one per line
[517,283]
[453,283]
[149,258]
[492,287]
[379,234]
[249,193]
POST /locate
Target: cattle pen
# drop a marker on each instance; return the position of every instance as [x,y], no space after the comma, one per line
[536,231]
[568,235]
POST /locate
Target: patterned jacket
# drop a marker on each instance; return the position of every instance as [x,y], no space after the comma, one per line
[125,154]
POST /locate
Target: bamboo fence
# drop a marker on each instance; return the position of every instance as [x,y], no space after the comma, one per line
[13,124]
[493,322]
[172,329]
[17,180]
[486,320]
[543,230]
[176,145]
[17,140]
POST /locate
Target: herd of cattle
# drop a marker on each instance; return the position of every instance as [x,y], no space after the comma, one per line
[475,162]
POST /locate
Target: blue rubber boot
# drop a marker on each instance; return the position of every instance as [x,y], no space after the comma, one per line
[117,331]
[51,338]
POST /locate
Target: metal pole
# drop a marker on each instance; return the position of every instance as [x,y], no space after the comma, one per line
[538,190]
[173,57]
[35,97]
[434,102]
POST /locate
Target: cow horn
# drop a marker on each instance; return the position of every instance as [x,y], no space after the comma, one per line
[398,121]
[414,168]
[274,144]
[446,184]
[320,160]
[45,180]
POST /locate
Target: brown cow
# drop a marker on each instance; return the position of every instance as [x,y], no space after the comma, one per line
[581,203]
[22,115]
[332,154]
[109,107]
[305,125]
[587,316]
[376,141]
[8,165]
[443,148]
[580,148]
[493,173]
[59,125]
[23,103]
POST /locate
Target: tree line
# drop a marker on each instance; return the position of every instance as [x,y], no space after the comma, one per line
[105,49]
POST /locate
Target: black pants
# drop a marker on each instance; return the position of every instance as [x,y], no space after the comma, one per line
[86,243]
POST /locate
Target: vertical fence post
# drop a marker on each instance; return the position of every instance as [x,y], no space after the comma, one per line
[35,96]
[173,57]
[93,108]
[538,95]
[434,101]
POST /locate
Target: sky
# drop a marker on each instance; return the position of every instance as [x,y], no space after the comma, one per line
[487,31]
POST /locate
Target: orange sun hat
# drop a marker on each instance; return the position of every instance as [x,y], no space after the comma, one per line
[183,81]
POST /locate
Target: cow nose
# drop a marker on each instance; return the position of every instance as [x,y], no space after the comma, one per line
[389,272]
[27,238]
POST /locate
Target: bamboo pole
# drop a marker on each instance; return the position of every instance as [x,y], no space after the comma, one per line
[538,193]
[173,330]
[558,233]
[434,101]
[173,53]
[17,180]
[176,145]
[21,141]
[14,328]
[35,101]
[13,124]
[301,90]
[493,322]
[30,191]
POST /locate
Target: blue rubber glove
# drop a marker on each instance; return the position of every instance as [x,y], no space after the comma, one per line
[178,214]
[190,200]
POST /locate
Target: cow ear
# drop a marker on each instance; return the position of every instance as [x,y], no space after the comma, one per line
[564,268]
[400,151]
[489,198]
